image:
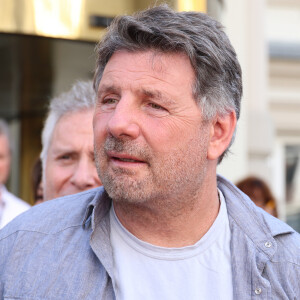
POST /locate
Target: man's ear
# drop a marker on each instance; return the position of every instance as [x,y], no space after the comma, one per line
[221,132]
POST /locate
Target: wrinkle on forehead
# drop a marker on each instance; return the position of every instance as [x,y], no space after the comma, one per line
[159,63]
[73,131]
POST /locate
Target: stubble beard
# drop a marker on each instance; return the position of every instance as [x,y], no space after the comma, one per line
[122,184]
[177,175]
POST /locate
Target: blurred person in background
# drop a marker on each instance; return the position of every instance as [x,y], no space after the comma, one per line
[37,184]
[67,143]
[10,205]
[260,193]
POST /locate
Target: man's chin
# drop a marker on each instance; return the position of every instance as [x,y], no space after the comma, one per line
[125,189]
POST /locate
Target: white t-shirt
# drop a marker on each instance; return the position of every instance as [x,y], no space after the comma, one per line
[201,271]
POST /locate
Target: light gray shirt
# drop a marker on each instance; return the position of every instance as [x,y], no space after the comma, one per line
[61,250]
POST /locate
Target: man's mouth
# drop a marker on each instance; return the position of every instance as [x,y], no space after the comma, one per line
[126,159]
[121,157]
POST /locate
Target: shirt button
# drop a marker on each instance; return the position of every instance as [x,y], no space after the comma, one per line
[258,291]
[268,244]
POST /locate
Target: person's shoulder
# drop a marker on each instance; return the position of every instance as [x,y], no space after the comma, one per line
[259,225]
[54,215]
[16,203]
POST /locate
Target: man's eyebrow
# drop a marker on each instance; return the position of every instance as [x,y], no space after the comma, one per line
[63,150]
[156,95]
[107,88]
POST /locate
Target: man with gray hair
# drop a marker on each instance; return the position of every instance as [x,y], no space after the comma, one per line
[10,205]
[164,225]
[67,143]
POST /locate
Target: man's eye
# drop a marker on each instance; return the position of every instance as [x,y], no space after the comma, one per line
[65,157]
[109,101]
[156,106]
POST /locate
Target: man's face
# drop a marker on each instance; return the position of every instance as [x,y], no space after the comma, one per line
[150,139]
[5,158]
[70,166]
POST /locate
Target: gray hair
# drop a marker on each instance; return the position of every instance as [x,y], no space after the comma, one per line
[80,97]
[4,130]
[218,76]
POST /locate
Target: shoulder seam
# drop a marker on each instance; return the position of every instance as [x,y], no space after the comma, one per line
[40,232]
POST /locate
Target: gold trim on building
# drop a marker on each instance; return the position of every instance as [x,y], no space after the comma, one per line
[68,19]
[188,5]
[71,19]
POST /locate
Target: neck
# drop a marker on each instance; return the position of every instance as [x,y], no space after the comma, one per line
[171,222]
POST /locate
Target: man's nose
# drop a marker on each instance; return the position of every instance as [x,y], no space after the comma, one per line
[85,175]
[124,120]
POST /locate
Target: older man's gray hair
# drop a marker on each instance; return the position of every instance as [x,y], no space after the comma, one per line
[80,97]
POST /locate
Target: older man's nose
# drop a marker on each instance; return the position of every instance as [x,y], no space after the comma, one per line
[85,175]
[124,121]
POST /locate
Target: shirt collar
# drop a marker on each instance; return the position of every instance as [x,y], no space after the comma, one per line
[97,209]
[258,225]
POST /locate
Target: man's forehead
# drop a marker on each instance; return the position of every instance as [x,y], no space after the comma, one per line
[72,126]
[157,60]
[149,67]
[73,119]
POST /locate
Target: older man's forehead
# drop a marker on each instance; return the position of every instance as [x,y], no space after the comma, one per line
[73,122]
